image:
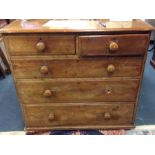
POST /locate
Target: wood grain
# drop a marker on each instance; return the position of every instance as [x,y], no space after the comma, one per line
[69,115]
[77,78]
[77,90]
[98,45]
[33,130]
[91,26]
[54,44]
[82,68]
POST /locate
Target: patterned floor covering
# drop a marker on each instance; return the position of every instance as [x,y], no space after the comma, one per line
[139,130]
[96,132]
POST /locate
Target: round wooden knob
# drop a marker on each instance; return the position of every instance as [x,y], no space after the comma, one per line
[44,70]
[110,68]
[113,46]
[40,46]
[107,115]
[47,93]
[51,117]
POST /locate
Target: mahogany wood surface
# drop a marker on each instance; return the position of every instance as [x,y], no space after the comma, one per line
[80,68]
[78,76]
[132,44]
[53,45]
[81,115]
[37,26]
[78,90]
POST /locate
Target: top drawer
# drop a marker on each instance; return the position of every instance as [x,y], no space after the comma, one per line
[41,45]
[129,44]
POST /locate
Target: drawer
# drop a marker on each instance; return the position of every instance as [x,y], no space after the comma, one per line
[128,44]
[105,67]
[41,45]
[85,115]
[77,90]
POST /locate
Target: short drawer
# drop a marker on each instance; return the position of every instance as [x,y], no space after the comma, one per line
[83,68]
[77,90]
[128,44]
[41,45]
[70,115]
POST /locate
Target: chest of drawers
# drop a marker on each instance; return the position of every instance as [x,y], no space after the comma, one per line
[84,78]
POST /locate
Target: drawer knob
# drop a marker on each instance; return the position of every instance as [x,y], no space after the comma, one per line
[110,68]
[40,46]
[44,70]
[113,46]
[107,115]
[47,93]
[51,117]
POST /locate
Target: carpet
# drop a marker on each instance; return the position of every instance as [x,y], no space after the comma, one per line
[142,130]
[95,132]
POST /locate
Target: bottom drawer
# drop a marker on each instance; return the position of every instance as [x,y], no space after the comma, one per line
[70,115]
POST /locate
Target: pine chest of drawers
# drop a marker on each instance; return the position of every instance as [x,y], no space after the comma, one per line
[77,78]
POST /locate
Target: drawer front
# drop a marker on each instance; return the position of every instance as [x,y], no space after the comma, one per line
[77,90]
[132,44]
[105,67]
[85,115]
[41,45]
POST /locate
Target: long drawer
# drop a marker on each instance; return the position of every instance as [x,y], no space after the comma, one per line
[97,67]
[77,90]
[85,115]
[98,45]
[41,45]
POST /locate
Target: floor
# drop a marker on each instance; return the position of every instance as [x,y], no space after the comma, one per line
[146,104]
[11,117]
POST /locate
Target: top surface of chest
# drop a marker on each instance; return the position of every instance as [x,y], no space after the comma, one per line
[100,25]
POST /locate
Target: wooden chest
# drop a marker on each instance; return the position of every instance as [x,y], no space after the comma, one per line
[82,77]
